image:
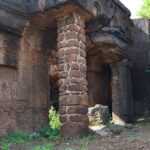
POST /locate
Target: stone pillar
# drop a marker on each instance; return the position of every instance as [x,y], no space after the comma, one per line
[72,75]
[122,101]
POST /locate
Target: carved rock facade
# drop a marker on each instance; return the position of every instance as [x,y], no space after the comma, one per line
[89,48]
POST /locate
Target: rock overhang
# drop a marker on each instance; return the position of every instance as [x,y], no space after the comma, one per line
[30,7]
[15,14]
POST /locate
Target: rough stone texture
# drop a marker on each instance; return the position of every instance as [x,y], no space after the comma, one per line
[8,97]
[8,82]
[72,75]
[33,81]
[98,115]
[8,49]
[122,100]
[58,43]
[140,56]
[23,73]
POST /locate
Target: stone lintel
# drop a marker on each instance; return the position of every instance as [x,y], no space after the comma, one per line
[108,39]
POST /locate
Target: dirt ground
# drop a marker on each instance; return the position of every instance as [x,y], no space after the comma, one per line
[136,137]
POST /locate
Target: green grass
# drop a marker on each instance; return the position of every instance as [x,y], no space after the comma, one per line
[16,138]
[22,138]
[51,133]
[46,147]
[5,147]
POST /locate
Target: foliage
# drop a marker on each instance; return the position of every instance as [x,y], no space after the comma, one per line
[54,119]
[145,9]
[46,147]
[51,132]
[6,147]
[16,138]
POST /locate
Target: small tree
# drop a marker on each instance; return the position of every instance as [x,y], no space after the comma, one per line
[145,9]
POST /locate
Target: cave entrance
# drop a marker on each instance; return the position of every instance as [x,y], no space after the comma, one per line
[53,80]
[54,93]
[99,84]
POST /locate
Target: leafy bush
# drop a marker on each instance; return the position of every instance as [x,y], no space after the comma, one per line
[145,9]
[54,119]
[52,132]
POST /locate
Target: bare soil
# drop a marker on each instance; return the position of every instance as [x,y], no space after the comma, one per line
[135,138]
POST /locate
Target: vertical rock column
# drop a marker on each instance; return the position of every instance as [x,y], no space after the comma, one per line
[122,105]
[72,75]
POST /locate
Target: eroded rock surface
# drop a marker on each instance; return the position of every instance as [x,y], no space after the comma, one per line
[98,115]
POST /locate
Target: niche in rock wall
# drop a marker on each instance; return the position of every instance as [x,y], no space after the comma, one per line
[53,81]
[54,93]
[49,45]
[9,44]
[100,87]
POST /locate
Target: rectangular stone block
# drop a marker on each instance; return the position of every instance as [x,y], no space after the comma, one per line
[70,100]
[77,110]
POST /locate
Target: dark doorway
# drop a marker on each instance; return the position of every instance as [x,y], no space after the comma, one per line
[54,94]
[100,87]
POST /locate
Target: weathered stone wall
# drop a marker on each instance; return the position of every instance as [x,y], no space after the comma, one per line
[24,82]
[33,81]
[122,99]
[111,34]
[8,98]
[8,48]
[8,81]
[24,53]
[139,54]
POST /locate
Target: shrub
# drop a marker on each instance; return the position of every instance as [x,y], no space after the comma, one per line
[54,119]
[52,132]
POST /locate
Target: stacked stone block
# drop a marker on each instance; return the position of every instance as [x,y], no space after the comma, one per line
[72,75]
